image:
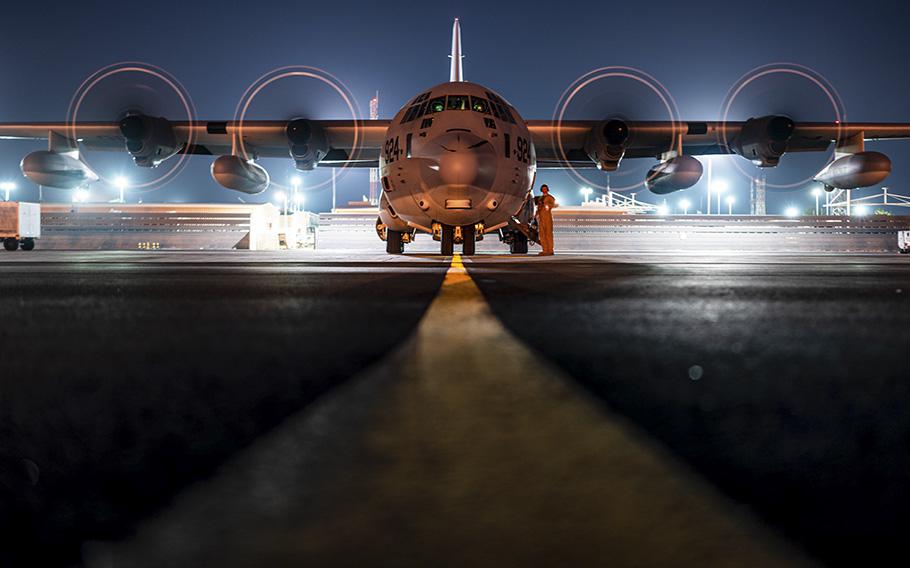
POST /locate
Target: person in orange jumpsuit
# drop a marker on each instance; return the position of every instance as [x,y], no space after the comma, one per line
[544,215]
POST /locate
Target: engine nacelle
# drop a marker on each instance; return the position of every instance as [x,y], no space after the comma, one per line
[233,172]
[673,175]
[606,144]
[862,169]
[58,170]
[149,140]
[764,140]
[307,143]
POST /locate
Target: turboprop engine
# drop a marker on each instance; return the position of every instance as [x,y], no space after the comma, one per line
[763,140]
[307,143]
[149,140]
[673,175]
[606,144]
[233,172]
[862,169]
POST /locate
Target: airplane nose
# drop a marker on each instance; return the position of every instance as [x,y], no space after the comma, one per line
[464,159]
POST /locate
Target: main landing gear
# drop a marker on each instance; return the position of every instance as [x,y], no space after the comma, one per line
[394,242]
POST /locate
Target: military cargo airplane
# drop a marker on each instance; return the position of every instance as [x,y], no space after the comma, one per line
[457,161]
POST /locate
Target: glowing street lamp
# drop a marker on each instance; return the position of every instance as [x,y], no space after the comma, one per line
[299,201]
[730,201]
[663,210]
[80,196]
[122,183]
[684,205]
[791,212]
[719,186]
[7,186]
[817,193]
[282,199]
[861,210]
[295,182]
[587,191]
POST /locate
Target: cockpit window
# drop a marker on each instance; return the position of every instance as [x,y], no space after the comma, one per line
[480,105]
[457,102]
[437,105]
[506,114]
[411,114]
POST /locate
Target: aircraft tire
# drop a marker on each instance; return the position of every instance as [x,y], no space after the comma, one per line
[10,244]
[447,241]
[393,242]
[27,244]
[519,244]
[469,239]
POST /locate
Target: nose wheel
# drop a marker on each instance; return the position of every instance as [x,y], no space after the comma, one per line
[469,240]
[447,241]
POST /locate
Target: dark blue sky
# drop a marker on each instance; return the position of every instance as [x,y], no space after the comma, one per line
[527,51]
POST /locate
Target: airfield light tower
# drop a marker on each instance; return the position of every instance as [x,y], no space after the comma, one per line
[7,186]
[374,172]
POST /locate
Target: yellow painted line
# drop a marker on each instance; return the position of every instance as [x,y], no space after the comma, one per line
[463,448]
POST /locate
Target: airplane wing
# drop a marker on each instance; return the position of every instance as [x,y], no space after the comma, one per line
[347,143]
[573,143]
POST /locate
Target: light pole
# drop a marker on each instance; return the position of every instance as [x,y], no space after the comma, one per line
[718,186]
[587,191]
[684,205]
[730,201]
[7,186]
[295,181]
[299,201]
[282,198]
[817,193]
[122,183]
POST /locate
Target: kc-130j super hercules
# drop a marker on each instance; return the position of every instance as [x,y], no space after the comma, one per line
[457,161]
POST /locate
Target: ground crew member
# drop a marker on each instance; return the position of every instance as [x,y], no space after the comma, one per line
[544,215]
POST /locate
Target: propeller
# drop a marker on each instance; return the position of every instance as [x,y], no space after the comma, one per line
[142,100]
[780,97]
[617,97]
[301,96]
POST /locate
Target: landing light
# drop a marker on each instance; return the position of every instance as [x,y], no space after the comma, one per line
[861,210]
[791,212]
[663,210]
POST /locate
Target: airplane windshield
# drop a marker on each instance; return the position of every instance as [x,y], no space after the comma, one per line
[480,105]
[458,102]
[437,105]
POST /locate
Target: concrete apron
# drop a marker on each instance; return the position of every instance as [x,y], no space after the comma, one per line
[462,448]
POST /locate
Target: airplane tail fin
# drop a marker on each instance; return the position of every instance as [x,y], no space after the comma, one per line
[456,73]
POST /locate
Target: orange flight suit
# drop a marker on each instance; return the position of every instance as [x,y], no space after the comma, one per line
[544,214]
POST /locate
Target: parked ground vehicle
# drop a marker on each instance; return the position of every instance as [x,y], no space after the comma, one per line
[20,224]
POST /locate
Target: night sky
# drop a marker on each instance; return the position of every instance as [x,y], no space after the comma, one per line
[528,54]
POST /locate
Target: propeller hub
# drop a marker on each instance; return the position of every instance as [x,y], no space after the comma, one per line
[299,132]
[133,127]
[780,128]
[616,132]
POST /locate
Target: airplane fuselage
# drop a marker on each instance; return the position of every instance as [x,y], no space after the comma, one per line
[455,155]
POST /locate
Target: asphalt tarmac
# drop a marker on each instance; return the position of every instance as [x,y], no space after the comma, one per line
[649,409]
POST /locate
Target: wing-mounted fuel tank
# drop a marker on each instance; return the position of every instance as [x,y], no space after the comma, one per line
[763,140]
[606,144]
[56,169]
[674,174]
[233,172]
[307,143]
[149,140]
[852,171]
